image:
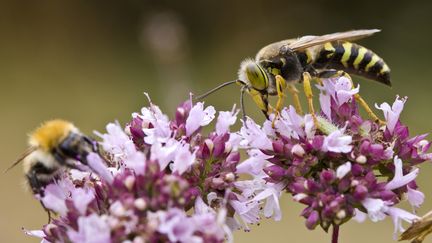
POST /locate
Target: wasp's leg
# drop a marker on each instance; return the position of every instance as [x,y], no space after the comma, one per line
[280,88]
[369,111]
[294,93]
[309,96]
[359,99]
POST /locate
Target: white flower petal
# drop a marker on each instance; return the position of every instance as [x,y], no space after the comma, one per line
[342,170]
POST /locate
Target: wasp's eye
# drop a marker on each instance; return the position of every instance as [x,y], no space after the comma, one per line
[256,76]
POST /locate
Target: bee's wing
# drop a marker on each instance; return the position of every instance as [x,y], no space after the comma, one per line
[419,228]
[308,41]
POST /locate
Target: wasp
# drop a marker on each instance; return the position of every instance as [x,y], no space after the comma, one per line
[279,66]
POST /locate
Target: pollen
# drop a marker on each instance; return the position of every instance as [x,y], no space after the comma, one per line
[50,133]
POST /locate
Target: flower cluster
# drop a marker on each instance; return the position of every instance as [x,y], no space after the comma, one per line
[342,166]
[156,180]
[161,179]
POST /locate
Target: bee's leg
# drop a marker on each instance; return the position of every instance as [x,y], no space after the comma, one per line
[36,187]
[294,93]
[309,96]
[47,211]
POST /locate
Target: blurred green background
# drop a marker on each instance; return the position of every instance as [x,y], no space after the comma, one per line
[90,62]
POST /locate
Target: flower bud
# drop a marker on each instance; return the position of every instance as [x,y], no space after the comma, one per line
[313,220]
[275,172]
[327,176]
[360,192]
[129,182]
[298,150]
[361,159]
[140,204]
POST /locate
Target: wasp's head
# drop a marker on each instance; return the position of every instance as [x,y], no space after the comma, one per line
[253,74]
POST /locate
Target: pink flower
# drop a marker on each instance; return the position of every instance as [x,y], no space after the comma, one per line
[254,136]
[376,208]
[91,229]
[247,211]
[340,90]
[81,199]
[399,179]
[183,160]
[397,216]
[359,216]
[136,162]
[164,153]
[337,142]
[97,165]
[392,114]
[254,164]
[290,124]
[415,197]
[225,120]
[116,141]
[198,117]
[176,225]
[271,194]
[55,196]
[159,131]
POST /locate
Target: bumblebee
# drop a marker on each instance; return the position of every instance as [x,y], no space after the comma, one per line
[280,65]
[55,145]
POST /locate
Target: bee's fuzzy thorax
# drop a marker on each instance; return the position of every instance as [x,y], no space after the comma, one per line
[50,133]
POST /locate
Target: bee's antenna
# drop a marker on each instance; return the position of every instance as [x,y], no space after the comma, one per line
[217,88]
[25,154]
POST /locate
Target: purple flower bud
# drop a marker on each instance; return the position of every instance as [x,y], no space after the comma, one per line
[327,176]
[360,192]
[298,150]
[387,195]
[278,147]
[356,169]
[313,220]
[275,172]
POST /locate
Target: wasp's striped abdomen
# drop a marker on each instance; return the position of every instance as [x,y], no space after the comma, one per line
[352,58]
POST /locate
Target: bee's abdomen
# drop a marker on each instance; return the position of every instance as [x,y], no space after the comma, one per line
[353,58]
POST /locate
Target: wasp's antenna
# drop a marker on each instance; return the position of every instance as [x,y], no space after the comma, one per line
[217,88]
[25,154]
[243,89]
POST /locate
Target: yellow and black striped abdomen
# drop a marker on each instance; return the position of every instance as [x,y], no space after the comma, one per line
[354,59]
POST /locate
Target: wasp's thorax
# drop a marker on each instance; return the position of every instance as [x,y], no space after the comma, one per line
[57,144]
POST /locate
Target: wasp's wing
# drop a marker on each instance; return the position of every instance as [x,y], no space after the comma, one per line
[419,229]
[308,41]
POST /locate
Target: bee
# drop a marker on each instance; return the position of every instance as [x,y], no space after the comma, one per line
[419,229]
[282,64]
[55,145]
